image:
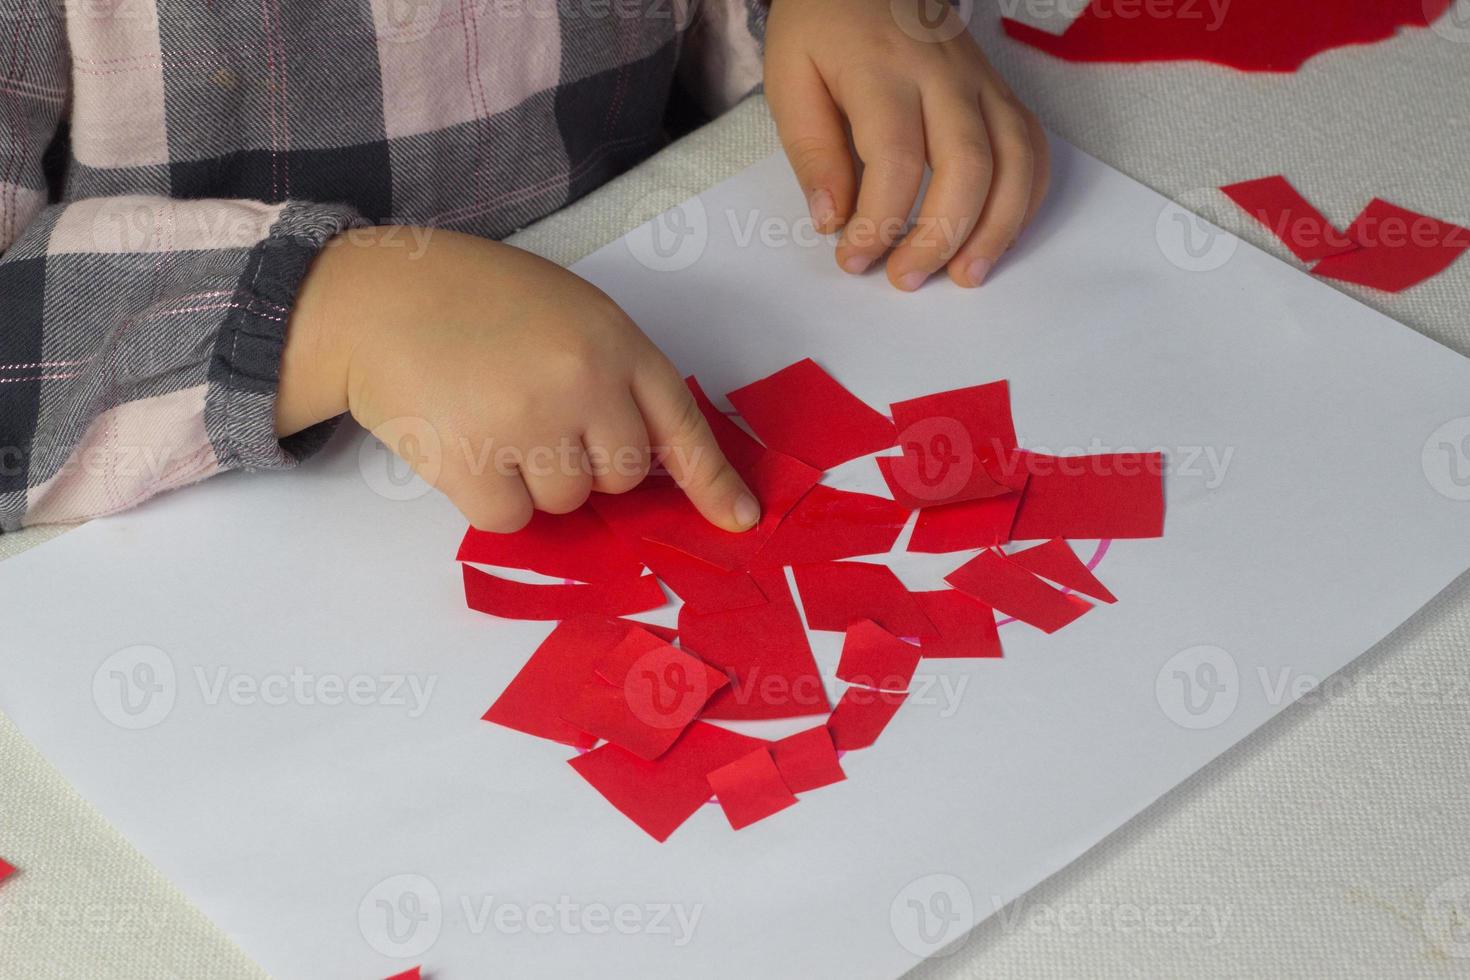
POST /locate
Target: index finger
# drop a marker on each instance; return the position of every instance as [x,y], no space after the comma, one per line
[688,449]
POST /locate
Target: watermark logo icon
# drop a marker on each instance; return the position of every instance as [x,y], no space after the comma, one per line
[401,916]
[1446,459]
[938,458]
[1192,235]
[1453,24]
[1198,688]
[664,689]
[135,688]
[935,21]
[930,914]
[673,240]
[406,21]
[1446,918]
[402,458]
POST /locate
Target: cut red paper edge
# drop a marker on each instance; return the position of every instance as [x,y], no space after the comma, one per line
[836,594]
[509,599]
[1399,249]
[410,974]
[803,411]
[994,580]
[1255,35]
[6,869]
[969,524]
[873,657]
[578,546]
[827,524]
[1055,560]
[706,586]
[740,447]
[808,760]
[1109,495]
[765,651]
[750,788]
[861,716]
[967,627]
[659,796]
[1277,205]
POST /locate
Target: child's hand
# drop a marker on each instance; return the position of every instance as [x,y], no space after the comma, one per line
[912,93]
[536,386]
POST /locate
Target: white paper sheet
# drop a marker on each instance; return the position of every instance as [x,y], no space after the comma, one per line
[1313,506]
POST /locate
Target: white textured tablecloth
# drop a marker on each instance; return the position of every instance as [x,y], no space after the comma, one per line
[1333,842]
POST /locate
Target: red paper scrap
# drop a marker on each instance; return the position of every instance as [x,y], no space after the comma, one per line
[874,657]
[707,587]
[1251,35]
[1281,208]
[861,716]
[966,626]
[750,788]
[1399,249]
[1111,495]
[957,445]
[6,869]
[836,594]
[659,796]
[982,523]
[665,515]
[551,679]
[508,599]
[739,446]
[1057,561]
[412,974]
[645,693]
[802,411]
[828,524]
[577,546]
[1001,584]
[765,651]
[807,760]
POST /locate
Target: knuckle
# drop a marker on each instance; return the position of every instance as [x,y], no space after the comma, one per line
[970,160]
[811,155]
[498,516]
[895,159]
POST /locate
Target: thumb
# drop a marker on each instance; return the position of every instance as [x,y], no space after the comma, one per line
[689,451]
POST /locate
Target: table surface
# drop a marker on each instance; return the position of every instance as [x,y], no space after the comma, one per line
[1335,841]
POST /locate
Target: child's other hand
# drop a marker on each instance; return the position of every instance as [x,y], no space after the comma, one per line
[536,386]
[913,93]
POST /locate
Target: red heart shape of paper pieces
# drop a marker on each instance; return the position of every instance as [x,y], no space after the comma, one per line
[638,701]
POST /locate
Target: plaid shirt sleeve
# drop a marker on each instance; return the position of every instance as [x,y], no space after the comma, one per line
[140,336]
[216,145]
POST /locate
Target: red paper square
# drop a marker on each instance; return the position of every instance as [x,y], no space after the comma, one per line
[1111,495]
[836,594]
[969,524]
[1290,217]
[659,796]
[765,651]
[966,626]
[575,546]
[807,760]
[1400,248]
[802,411]
[874,657]
[750,788]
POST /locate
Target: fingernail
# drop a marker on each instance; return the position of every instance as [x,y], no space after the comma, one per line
[823,208]
[856,264]
[978,270]
[747,511]
[911,281]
